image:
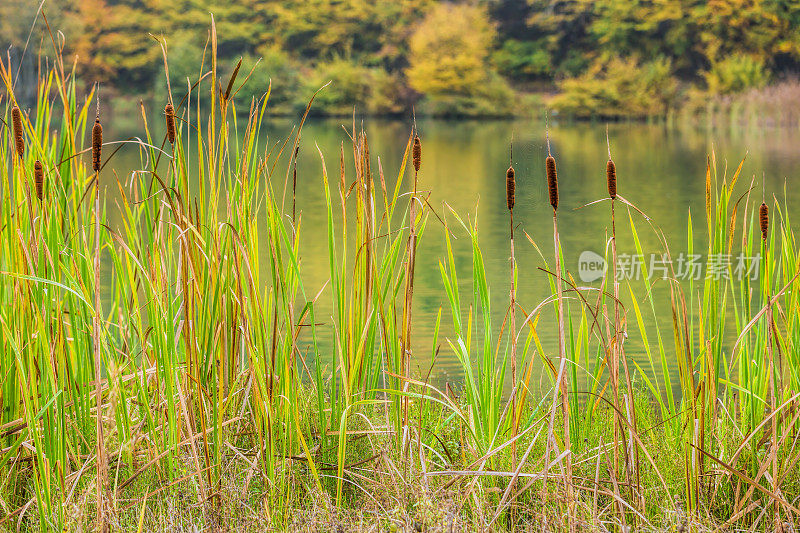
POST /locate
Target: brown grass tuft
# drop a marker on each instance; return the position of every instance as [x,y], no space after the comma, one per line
[417,153]
[97,144]
[552,181]
[38,179]
[511,187]
[16,120]
[169,111]
[763,219]
[611,176]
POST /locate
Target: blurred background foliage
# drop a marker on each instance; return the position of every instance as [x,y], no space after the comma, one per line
[583,58]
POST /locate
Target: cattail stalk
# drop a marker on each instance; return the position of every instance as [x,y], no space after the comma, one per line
[97,144]
[763,220]
[369,219]
[618,347]
[294,182]
[773,449]
[19,147]
[38,179]
[561,379]
[16,122]
[169,113]
[611,178]
[552,181]
[416,154]
[615,342]
[611,172]
[511,187]
[416,159]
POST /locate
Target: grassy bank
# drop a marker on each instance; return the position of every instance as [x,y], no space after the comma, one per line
[169,371]
[775,105]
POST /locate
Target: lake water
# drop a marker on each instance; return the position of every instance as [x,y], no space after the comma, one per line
[660,169]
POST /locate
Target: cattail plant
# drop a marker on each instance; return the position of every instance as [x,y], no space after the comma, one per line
[617,345]
[38,179]
[511,187]
[97,145]
[611,178]
[763,222]
[417,154]
[16,122]
[416,158]
[169,113]
[561,379]
[552,180]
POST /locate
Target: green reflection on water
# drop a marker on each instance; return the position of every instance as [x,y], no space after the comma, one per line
[659,169]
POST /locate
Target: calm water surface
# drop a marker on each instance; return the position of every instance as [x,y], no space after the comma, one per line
[660,169]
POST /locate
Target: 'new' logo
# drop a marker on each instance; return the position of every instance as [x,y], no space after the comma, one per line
[591,266]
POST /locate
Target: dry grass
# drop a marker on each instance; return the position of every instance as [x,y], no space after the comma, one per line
[776,105]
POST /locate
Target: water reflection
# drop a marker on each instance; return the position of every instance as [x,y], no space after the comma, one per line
[659,169]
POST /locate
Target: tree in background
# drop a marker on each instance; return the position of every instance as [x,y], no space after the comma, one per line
[744,40]
[445,57]
[16,25]
[111,40]
[449,51]
[762,29]
[613,86]
[449,59]
[735,74]
[563,29]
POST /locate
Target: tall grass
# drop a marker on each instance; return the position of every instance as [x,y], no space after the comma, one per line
[181,356]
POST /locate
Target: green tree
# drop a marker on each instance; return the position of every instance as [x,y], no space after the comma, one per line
[735,74]
[112,43]
[615,86]
[523,60]
[758,28]
[563,28]
[650,28]
[374,31]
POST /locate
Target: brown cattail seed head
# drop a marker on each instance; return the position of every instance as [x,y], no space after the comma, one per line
[552,181]
[169,111]
[16,121]
[611,175]
[416,153]
[38,179]
[511,187]
[97,144]
[763,219]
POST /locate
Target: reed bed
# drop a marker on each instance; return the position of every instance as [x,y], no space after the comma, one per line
[168,372]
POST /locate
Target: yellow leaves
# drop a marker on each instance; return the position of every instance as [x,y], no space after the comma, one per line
[449,50]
